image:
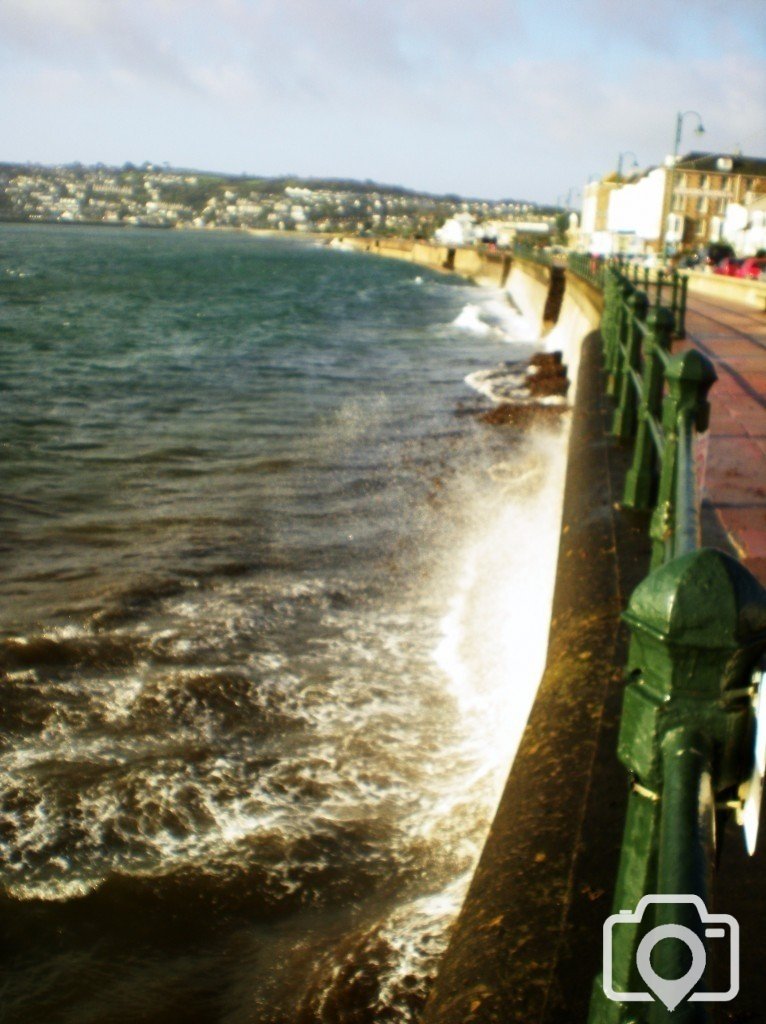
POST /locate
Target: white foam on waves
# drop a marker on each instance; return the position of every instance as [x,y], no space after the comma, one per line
[489,314]
[507,382]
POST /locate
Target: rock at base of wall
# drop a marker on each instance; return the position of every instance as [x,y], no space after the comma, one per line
[547,375]
[509,414]
[529,400]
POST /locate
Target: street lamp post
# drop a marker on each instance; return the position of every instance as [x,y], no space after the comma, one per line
[699,130]
[628,152]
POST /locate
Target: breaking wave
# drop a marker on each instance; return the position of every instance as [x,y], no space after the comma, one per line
[266,709]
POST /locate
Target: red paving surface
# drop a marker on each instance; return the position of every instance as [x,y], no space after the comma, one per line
[733,454]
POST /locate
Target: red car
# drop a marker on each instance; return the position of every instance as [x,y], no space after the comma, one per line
[729,266]
[753,267]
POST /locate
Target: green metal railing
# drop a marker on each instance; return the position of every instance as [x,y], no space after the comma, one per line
[698,629]
[660,400]
[662,287]
[533,253]
[590,268]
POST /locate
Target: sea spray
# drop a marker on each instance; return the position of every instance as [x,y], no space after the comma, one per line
[495,317]
[498,589]
[266,599]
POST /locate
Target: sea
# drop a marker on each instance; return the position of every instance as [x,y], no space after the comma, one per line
[274,603]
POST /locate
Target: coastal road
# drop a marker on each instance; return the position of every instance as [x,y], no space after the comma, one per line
[732,462]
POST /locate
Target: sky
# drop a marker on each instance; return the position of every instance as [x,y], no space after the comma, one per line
[523,99]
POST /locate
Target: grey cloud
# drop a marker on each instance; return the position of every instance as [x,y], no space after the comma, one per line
[438,93]
[663,25]
[89,34]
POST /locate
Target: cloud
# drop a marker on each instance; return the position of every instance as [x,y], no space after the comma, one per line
[665,26]
[92,35]
[500,96]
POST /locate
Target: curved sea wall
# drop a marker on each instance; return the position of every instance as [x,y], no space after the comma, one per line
[526,946]
[563,307]
[523,949]
[578,316]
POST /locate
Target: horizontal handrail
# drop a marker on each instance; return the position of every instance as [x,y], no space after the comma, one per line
[638,338]
[687,534]
[656,434]
[525,251]
[663,287]
[663,357]
[698,628]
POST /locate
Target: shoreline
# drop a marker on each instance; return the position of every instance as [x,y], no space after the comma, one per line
[529,904]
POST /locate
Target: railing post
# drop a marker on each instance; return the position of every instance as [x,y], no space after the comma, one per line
[610,313]
[690,376]
[617,335]
[698,628]
[621,324]
[674,296]
[686,855]
[681,307]
[660,282]
[624,420]
[639,482]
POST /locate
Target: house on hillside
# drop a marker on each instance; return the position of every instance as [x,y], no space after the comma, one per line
[458,230]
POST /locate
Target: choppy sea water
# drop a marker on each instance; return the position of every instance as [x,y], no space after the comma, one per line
[274,607]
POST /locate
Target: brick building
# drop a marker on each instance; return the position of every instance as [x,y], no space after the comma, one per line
[678,205]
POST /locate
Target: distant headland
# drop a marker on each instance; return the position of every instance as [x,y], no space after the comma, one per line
[152,195]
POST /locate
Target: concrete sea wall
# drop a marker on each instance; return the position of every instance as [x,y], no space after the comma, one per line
[523,949]
[483,267]
[526,946]
[564,308]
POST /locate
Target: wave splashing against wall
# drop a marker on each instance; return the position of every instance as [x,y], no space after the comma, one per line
[252,751]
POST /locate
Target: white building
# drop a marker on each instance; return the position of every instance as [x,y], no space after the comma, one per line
[458,230]
[635,213]
[595,204]
[683,204]
[744,226]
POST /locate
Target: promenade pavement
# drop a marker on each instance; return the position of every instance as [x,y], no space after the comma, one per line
[732,463]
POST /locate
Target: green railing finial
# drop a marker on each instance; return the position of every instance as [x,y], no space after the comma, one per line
[698,628]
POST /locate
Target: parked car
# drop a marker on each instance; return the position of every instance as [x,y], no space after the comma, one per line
[708,256]
[752,267]
[729,266]
[717,251]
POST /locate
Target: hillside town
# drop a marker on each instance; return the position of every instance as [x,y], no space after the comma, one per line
[164,197]
[655,213]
